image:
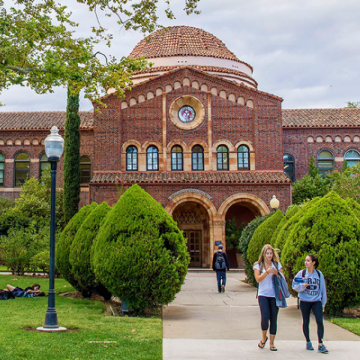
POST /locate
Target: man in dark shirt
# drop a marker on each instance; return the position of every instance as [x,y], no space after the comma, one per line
[220,264]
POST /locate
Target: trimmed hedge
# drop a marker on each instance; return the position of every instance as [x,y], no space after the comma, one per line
[80,251]
[244,241]
[139,253]
[262,236]
[330,230]
[65,240]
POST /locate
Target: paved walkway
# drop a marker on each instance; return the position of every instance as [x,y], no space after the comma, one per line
[203,324]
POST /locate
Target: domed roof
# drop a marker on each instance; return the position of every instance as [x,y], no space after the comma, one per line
[181,41]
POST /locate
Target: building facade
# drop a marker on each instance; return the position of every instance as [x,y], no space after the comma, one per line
[196,133]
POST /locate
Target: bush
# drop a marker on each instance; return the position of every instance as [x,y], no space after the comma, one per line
[65,240]
[80,251]
[244,241]
[233,233]
[291,211]
[330,230]
[139,253]
[41,261]
[262,236]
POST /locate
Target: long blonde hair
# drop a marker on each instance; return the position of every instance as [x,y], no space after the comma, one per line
[262,256]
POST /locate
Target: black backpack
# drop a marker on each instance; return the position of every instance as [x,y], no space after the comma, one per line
[220,263]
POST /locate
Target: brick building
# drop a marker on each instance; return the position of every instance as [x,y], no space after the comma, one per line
[196,133]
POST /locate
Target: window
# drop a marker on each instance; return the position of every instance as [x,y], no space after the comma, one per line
[131,158]
[352,158]
[222,157]
[325,162]
[243,158]
[289,166]
[44,166]
[2,169]
[85,170]
[176,158]
[197,157]
[22,168]
[152,158]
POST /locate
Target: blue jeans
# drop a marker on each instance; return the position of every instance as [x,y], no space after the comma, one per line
[221,278]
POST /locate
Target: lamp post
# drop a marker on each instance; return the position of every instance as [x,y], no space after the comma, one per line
[274,203]
[54,147]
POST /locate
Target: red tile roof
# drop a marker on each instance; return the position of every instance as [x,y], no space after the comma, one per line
[181,41]
[342,117]
[212,177]
[41,120]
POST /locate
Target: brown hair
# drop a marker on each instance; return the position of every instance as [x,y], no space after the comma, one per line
[314,259]
[33,285]
[265,248]
[41,293]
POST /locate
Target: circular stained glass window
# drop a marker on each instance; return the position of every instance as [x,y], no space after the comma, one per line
[186,114]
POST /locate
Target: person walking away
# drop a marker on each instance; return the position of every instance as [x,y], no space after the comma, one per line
[265,268]
[220,264]
[310,284]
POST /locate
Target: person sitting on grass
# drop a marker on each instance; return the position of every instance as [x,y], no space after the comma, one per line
[31,291]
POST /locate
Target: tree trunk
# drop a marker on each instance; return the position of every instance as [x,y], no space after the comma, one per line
[71,173]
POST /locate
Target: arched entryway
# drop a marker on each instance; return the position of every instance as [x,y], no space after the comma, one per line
[193,219]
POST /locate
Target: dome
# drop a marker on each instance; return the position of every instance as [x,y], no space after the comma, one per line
[181,41]
[178,46]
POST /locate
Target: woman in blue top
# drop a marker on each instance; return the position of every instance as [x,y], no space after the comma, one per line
[265,268]
[312,294]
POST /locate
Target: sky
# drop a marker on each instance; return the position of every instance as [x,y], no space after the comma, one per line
[305,51]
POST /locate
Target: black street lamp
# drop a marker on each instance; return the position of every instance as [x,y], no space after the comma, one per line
[54,147]
[274,203]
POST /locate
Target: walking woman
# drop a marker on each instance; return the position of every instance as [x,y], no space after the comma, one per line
[265,268]
[310,284]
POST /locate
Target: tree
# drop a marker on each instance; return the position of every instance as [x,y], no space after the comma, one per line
[353,104]
[310,185]
[139,253]
[334,238]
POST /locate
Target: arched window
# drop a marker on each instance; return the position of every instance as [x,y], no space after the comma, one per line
[85,170]
[243,158]
[2,169]
[131,158]
[152,158]
[222,157]
[44,166]
[325,162]
[197,158]
[176,158]
[22,168]
[352,158]
[289,166]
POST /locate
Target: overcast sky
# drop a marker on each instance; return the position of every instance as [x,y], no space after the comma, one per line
[305,51]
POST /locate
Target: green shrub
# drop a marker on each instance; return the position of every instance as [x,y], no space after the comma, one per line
[330,230]
[291,211]
[262,236]
[354,206]
[139,253]
[292,221]
[41,261]
[65,240]
[245,238]
[233,234]
[80,251]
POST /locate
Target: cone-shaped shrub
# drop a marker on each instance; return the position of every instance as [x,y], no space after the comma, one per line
[139,253]
[244,241]
[65,240]
[80,251]
[354,206]
[330,230]
[291,211]
[293,220]
[262,236]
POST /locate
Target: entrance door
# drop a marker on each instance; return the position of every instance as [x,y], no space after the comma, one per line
[194,240]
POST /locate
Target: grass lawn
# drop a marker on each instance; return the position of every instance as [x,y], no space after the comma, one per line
[352,325]
[3,268]
[93,335]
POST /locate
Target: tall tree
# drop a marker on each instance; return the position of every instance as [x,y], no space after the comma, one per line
[353,104]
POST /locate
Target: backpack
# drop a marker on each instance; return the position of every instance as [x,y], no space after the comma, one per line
[303,276]
[220,263]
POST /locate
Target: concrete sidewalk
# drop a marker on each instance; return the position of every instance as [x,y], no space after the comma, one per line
[203,324]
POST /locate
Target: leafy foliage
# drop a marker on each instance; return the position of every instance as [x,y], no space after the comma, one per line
[244,241]
[353,104]
[65,240]
[233,234]
[80,251]
[330,230]
[139,253]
